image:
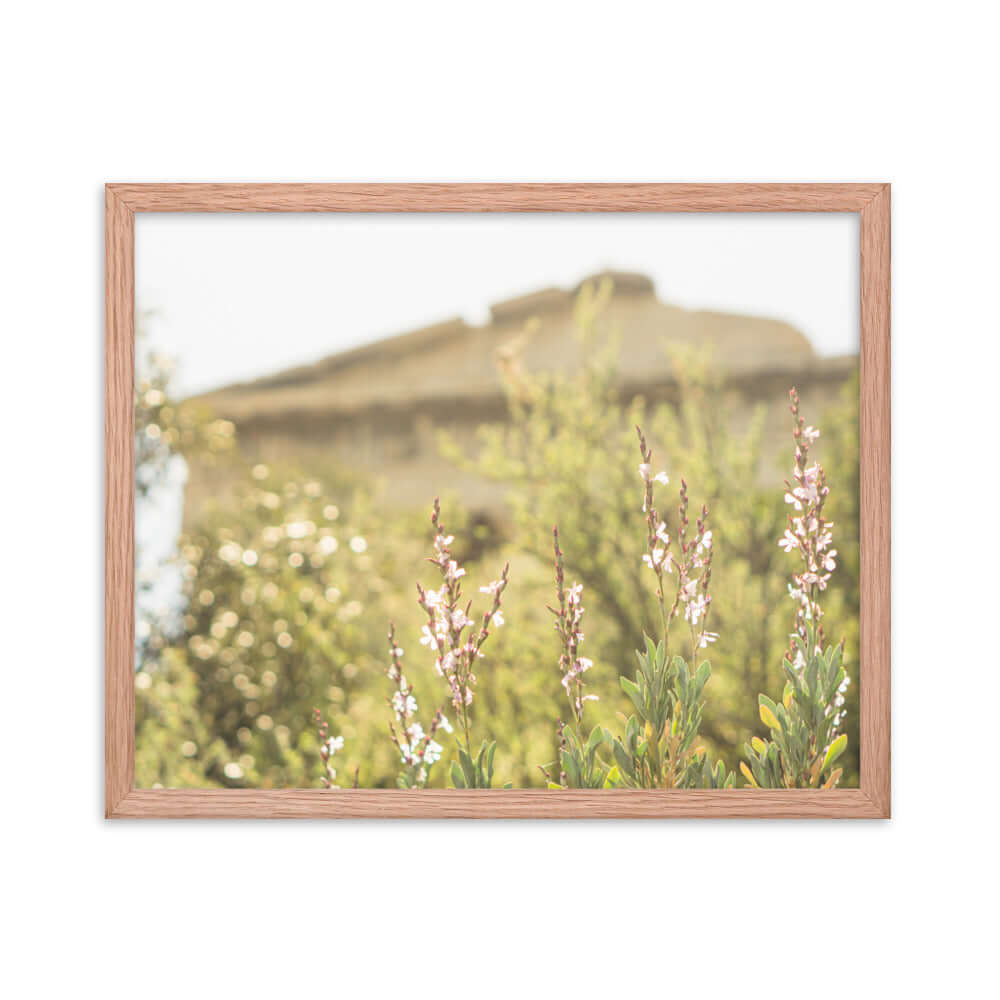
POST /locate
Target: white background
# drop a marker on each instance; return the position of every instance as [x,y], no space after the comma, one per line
[184,91]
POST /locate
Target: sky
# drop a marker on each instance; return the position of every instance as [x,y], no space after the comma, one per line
[232,297]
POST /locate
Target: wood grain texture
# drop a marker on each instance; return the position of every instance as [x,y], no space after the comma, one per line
[119,501]
[535,803]
[871,800]
[496,197]
[876,560]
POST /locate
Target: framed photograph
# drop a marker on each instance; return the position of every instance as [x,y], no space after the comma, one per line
[498,500]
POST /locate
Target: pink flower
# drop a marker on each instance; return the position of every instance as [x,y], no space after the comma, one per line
[660,559]
[788,541]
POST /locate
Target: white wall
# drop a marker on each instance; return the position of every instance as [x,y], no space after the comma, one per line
[189,91]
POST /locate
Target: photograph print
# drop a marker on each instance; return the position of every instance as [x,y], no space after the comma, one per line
[564,501]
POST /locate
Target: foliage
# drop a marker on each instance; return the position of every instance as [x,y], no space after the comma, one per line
[164,434]
[563,457]
[659,749]
[805,741]
[164,430]
[275,623]
[291,576]
[457,641]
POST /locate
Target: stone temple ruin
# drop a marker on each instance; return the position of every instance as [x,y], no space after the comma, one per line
[376,408]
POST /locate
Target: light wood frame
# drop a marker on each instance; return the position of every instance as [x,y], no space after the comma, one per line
[870,201]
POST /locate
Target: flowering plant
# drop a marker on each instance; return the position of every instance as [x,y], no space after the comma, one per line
[580,766]
[660,748]
[805,742]
[328,746]
[457,639]
[418,751]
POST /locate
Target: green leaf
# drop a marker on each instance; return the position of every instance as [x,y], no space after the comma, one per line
[489,762]
[623,759]
[837,747]
[457,778]
[571,767]
[704,672]
[468,768]
[769,718]
[632,690]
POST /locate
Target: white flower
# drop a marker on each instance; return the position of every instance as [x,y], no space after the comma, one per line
[661,533]
[490,588]
[706,541]
[584,663]
[498,618]
[441,542]
[644,471]
[695,608]
[445,664]
[334,744]
[404,705]
[706,638]
[660,559]
[459,619]
[788,541]
[454,571]
[810,434]
[789,498]
[661,477]
[432,752]
[428,638]
[445,724]
[415,732]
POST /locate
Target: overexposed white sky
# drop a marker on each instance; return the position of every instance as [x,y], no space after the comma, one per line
[236,296]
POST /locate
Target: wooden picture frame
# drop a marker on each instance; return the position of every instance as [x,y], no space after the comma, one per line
[870,201]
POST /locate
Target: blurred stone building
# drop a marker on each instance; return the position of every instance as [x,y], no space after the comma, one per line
[376,408]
